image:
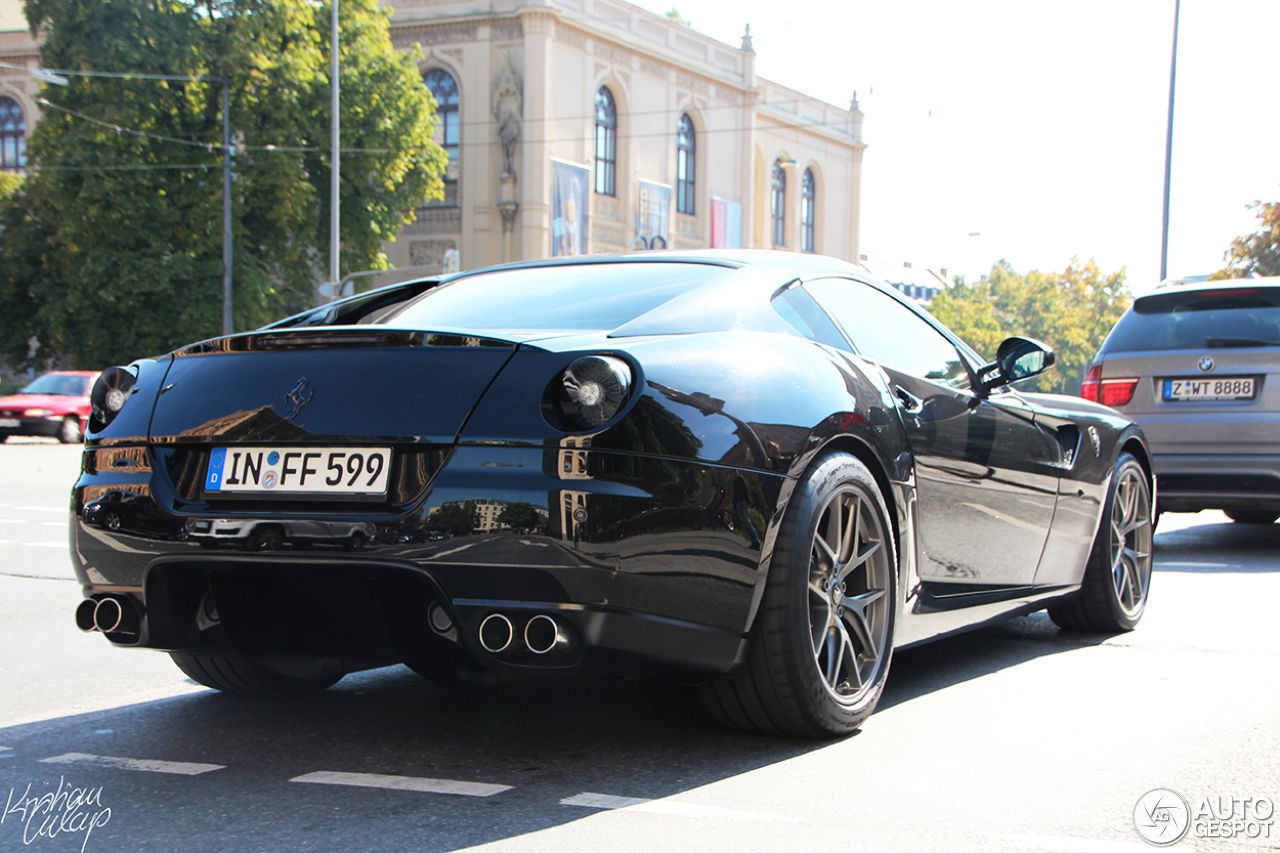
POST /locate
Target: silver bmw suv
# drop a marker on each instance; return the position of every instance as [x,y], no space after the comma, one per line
[1198,366]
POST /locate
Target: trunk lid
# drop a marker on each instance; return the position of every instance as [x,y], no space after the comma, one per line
[354,384]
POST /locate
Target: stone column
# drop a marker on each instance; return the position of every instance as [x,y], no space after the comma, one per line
[534,217]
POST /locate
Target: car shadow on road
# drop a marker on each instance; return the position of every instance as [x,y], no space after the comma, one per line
[550,740]
[922,670]
[1201,549]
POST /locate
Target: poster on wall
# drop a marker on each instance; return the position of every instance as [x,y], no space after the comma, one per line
[653,216]
[726,224]
[570,183]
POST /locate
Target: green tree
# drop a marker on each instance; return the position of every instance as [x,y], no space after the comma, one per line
[1071,311]
[456,518]
[1257,253]
[113,248]
[521,516]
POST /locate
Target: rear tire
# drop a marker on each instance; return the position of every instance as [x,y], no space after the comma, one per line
[824,633]
[239,674]
[1248,516]
[1117,578]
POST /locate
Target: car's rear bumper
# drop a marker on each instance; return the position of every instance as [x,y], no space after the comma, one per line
[649,566]
[1190,483]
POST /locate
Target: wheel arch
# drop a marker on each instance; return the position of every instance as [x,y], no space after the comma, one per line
[861,448]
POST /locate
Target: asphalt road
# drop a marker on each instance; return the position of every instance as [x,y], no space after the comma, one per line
[1020,737]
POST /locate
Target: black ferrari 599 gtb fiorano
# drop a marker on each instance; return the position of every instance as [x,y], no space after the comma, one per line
[757,471]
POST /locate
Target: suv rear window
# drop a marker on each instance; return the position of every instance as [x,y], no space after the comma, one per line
[1199,319]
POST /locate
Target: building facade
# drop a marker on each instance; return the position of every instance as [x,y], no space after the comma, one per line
[580,126]
[587,126]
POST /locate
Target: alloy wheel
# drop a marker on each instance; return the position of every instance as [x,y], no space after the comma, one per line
[849,608]
[1131,535]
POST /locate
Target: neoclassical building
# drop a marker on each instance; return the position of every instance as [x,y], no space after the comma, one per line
[579,126]
[596,126]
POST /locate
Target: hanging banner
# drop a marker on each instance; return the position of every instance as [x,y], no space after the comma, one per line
[726,224]
[569,185]
[653,216]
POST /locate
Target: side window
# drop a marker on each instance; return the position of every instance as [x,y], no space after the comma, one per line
[886,331]
[804,315]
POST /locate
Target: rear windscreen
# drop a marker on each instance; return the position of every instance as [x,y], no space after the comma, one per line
[1207,319]
[574,297]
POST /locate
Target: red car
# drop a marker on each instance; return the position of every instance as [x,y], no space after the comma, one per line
[56,404]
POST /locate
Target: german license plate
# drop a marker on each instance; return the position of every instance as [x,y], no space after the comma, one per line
[1225,388]
[11,423]
[301,471]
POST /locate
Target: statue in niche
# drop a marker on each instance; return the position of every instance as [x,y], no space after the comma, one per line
[508,106]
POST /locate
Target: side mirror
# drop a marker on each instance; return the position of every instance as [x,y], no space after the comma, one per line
[1016,358]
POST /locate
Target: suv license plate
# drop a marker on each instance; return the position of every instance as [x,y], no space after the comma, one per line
[305,470]
[1226,388]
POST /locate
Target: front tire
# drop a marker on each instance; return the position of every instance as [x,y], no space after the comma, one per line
[1113,594]
[70,431]
[239,674]
[824,633]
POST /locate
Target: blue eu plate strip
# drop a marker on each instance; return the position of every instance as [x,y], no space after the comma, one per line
[217,460]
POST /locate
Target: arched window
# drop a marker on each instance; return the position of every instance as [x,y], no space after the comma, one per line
[606,143]
[686,165]
[778,203]
[13,136]
[445,90]
[808,210]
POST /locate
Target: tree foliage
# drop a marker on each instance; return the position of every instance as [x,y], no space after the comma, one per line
[1071,311]
[521,516]
[112,249]
[456,518]
[1257,253]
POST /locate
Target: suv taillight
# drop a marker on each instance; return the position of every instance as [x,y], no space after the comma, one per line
[1108,392]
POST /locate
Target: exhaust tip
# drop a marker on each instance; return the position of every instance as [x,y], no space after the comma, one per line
[114,615]
[84,615]
[496,633]
[544,634]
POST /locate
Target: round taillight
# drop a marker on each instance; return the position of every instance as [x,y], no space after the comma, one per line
[589,392]
[110,393]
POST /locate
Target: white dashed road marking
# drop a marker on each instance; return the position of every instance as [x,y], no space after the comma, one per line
[402,783]
[183,768]
[43,508]
[667,807]
[47,544]
[453,551]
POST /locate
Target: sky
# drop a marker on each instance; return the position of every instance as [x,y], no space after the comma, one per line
[1037,126]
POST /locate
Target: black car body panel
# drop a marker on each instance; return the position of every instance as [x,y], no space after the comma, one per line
[649,535]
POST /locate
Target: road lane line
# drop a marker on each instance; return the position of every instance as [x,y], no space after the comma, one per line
[402,783]
[43,508]
[668,807]
[453,551]
[183,768]
[47,544]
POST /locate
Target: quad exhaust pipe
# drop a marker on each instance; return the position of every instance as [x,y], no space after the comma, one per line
[543,634]
[111,614]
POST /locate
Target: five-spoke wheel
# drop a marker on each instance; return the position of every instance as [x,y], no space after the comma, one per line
[823,636]
[849,615]
[1117,579]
